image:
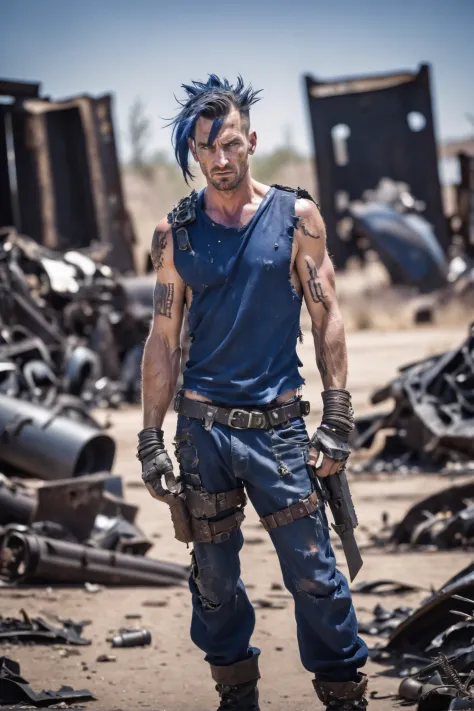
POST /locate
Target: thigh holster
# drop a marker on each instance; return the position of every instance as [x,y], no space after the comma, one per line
[205,531]
[302,508]
[201,504]
[191,511]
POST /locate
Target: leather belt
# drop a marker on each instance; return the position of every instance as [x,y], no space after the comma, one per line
[292,513]
[240,418]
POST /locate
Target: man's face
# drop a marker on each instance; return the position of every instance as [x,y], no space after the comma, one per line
[225,163]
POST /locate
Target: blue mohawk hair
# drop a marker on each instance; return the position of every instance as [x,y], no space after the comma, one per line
[212,99]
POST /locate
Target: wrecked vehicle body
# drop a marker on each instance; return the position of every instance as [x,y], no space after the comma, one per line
[405,243]
[433,414]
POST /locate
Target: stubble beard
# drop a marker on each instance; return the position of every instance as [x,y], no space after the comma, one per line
[230,183]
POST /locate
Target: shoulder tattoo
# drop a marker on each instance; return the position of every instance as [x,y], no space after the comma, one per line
[158,246]
[302,225]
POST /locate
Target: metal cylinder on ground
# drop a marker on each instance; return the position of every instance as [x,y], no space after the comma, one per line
[38,443]
[136,638]
[27,558]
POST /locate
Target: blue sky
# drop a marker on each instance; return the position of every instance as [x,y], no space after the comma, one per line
[147,48]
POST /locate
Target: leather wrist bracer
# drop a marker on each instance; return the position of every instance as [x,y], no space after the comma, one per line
[332,436]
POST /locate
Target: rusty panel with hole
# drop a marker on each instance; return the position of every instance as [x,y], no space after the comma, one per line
[368,128]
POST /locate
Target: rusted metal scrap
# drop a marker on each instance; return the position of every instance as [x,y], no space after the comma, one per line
[35,629]
[15,689]
[434,628]
[433,414]
[390,221]
[27,558]
[366,128]
[46,444]
[70,326]
[77,510]
[444,519]
[59,173]
[438,687]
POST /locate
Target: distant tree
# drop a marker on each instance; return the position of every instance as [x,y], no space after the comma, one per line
[139,135]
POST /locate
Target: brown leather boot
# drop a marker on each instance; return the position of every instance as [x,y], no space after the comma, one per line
[237,685]
[343,695]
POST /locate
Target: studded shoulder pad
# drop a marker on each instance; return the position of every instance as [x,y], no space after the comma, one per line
[184,212]
[299,192]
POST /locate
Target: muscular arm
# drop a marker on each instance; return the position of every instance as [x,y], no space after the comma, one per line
[162,354]
[316,274]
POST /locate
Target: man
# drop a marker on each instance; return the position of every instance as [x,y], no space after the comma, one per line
[242,256]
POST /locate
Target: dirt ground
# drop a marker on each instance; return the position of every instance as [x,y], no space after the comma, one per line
[170,675]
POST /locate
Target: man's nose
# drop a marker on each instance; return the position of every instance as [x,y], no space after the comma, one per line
[220,158]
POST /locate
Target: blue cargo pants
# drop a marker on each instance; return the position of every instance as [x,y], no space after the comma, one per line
[272,466]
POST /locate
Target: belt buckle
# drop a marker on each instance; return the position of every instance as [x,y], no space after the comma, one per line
[233,413]
[255,419]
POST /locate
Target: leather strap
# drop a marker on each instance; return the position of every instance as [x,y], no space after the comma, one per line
[292,513]
[240,418]
[201,504]
[215,531]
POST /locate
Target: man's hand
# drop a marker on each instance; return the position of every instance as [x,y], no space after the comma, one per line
[327,467]
[333,446]
[156,463]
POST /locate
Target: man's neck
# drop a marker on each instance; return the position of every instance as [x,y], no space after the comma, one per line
[230,203]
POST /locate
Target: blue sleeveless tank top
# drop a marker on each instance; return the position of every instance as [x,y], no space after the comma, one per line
[244,316]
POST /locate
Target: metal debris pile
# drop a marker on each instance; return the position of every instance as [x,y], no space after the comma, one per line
[441,521]
[77,530]
[433,415]
[430,646]
[72,329]
[439,686]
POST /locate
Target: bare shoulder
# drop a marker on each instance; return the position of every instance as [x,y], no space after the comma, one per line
[160,242]
[310,220]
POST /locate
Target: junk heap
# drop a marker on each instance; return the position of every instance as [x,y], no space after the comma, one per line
[431,647]
[433,415]
[70,326]
[71,338]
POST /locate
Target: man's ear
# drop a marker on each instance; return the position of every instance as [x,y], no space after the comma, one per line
[252,142]
[192,148]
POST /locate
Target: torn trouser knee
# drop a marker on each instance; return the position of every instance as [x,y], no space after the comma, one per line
[301,508]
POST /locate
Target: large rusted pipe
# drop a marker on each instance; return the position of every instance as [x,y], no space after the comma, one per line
[26,558]
[50,447]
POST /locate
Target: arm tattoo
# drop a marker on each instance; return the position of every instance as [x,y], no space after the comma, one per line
[163,299]
[306,231]
[158,245]
[314,285]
